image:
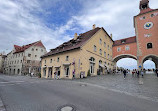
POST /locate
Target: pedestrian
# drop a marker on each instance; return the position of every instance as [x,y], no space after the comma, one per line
[138,73]
[124,73]
[133,73]
[55,74]
[31,75]
[142,72]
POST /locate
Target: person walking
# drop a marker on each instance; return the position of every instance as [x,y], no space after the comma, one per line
[124,73]
[133,73]
[138,73]
[142,72]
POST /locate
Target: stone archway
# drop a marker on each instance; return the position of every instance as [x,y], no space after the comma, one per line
[117,58]
[151,57]
[122,56]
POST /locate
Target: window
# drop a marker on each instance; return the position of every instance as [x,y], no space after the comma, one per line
[29,55]
[51,60]
[104,44]
[104,54]
[123,41]
[41,50]
[58,59]
[100,62]
[67,58]
[92,65]
[95,48]
[35,55]
[108,47]
[32,49]
[36,49]
[45,61]
[100,41]
[149,45]
[118,49]
[108,56]
[152,15]
[100,52]
[144,17]
[127,48]
[21,61]
[19,55]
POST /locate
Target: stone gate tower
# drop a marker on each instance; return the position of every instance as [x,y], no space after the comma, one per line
[146,29]
[144,45]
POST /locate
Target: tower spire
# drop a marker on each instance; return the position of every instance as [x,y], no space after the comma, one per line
[144,4]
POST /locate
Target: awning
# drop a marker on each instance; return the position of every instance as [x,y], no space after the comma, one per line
[67,64]
[57,66]
[101,65]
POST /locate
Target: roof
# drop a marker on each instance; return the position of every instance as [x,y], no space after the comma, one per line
[73,44]
[127,41]
[144,2]
[23,48]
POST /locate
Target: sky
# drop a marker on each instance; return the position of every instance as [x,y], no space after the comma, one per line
[55,21]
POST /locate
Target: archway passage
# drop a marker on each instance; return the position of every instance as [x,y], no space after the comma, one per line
[149,65]
[153,58]
[127,63]
[117,58]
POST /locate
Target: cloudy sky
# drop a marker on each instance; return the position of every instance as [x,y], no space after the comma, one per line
[56,21]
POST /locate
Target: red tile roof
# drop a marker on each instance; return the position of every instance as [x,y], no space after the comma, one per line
[23,48]
[145,11]
[73,44]
[127,41]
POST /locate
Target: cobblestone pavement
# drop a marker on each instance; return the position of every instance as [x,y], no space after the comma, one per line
[146,87]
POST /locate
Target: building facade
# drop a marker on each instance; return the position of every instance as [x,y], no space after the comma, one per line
[89,53]
[143,46]
[2,62]
[25,59]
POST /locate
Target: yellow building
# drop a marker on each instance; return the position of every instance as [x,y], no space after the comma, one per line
[89,53]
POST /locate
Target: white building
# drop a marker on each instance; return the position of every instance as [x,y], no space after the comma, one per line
[25,59]
[2,59]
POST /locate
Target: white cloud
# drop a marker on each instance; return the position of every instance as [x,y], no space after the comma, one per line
[18,25]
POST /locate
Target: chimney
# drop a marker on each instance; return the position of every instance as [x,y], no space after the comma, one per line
[111,35]
[93,26]
[75,36]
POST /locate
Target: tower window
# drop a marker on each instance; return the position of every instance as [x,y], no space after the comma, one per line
[149,45]
[152,15]
[145,6]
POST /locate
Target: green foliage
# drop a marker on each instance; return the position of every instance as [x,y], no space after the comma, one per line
[39,75]
[98,72]
[88,73]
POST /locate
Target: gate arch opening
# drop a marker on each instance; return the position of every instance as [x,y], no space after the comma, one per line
[153,58]
[122,61]
[117,58]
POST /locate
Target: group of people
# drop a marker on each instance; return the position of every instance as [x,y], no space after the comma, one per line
[138,73]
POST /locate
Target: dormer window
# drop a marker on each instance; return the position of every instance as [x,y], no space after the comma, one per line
[123,41]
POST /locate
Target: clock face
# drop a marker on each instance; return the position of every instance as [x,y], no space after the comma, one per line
[148,25]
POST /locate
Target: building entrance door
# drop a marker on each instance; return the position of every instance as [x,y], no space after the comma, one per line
[67,71]
[50,72]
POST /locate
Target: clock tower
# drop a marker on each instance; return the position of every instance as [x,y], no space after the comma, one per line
[146,29]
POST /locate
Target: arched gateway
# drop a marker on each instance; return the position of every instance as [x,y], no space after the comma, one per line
[143,46]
